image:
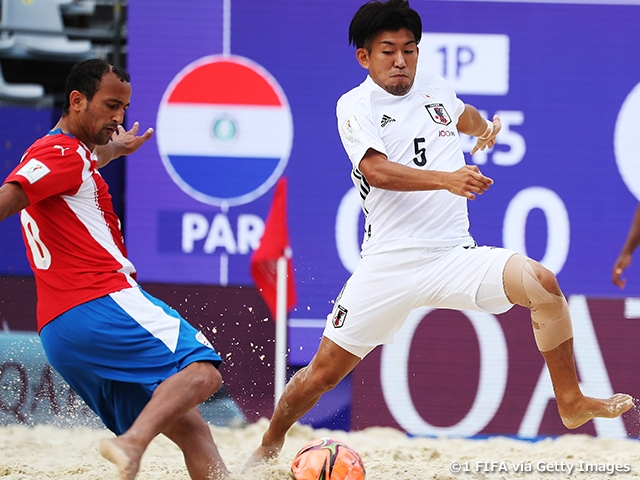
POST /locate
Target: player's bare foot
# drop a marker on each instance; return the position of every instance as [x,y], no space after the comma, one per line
[262,455]
[574,415]
[122,456]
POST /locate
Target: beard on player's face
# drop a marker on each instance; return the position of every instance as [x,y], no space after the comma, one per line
[103,135]
[398,89]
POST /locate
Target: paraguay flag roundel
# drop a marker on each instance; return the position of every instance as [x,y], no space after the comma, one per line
[224,130]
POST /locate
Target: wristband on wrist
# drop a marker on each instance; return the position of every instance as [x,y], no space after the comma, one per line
[489,130]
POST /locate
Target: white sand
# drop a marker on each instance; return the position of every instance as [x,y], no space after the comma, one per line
[46,452]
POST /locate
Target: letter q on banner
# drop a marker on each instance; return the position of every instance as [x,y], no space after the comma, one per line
[224,130]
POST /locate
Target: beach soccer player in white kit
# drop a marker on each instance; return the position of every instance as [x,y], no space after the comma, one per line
[400,131]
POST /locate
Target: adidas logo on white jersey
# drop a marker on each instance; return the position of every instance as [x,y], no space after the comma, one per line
[386,120]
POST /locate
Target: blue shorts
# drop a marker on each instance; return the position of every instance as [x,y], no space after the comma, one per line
[115,350]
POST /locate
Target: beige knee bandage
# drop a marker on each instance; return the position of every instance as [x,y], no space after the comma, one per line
[549,312]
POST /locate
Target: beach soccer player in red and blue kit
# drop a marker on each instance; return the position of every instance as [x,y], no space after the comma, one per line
[135,361]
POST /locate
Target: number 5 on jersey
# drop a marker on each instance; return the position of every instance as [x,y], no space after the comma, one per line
[421,152]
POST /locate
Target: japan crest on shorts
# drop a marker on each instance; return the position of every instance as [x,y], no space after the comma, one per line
[438,113]
[224,130]
[339,316]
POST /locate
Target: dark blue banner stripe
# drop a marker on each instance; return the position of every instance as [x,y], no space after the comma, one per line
[223,177]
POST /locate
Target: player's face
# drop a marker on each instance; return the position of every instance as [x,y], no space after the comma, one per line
[105,111]
[392,61]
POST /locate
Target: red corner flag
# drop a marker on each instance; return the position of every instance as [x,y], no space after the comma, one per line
[274,244]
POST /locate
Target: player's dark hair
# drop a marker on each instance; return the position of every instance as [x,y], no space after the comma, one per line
[86,76]
[376,16]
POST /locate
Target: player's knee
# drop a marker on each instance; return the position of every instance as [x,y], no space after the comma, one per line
[214,380]
[327,382]
[322,378]
[205,378]
[531,285]
[549,310]
[546,278]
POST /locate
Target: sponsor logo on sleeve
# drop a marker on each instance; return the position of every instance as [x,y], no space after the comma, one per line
[203,340]
[33,170]
[350,127]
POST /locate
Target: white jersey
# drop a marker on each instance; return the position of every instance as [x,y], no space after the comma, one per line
[417,130]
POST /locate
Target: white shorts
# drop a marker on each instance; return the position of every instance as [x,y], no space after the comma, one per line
[378,297]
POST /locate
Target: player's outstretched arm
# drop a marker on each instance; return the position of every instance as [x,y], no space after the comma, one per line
[624,259]
[467,181]
[12,199]
[122,143]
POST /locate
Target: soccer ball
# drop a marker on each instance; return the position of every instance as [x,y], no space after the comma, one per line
[327,459]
